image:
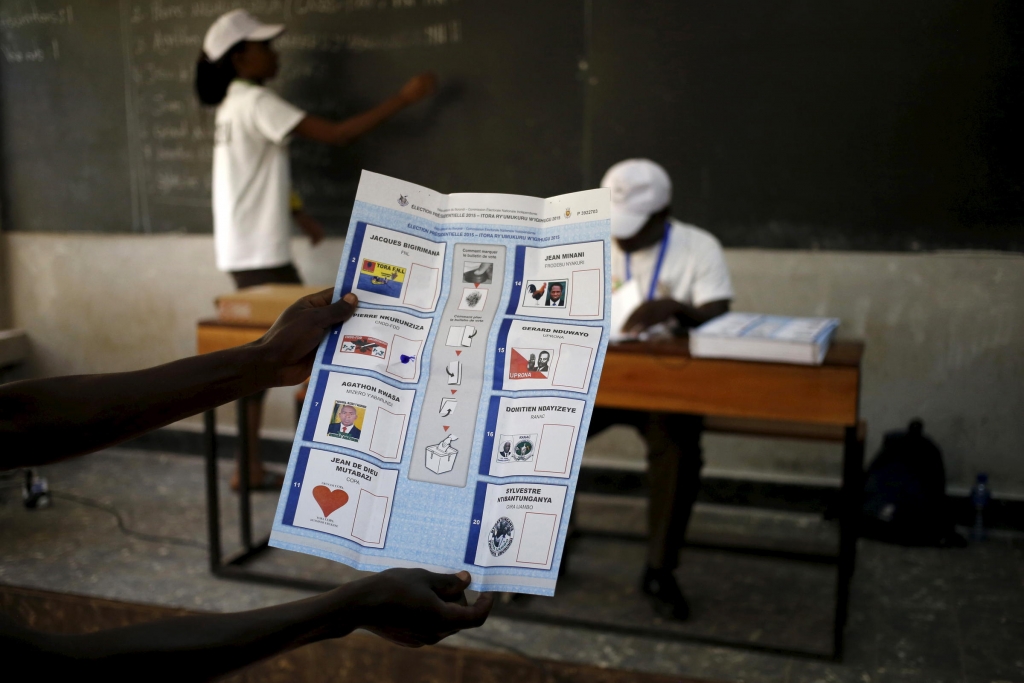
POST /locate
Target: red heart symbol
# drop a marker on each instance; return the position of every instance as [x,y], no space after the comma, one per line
[329,500]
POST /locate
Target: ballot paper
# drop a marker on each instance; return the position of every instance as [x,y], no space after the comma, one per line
[444,422]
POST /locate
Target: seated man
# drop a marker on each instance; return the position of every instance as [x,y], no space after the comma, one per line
[410,607]
[681,274]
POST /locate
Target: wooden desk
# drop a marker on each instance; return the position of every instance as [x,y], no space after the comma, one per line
[217,335]
[662,376]
[765,399]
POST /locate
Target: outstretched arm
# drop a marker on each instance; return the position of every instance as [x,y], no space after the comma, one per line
[102,410]
[411,607]
[331,132]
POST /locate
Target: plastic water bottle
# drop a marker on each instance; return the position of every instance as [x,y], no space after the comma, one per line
[36,491]
[980,496]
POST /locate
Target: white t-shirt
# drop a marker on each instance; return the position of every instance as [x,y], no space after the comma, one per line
[251,178]
[693,271]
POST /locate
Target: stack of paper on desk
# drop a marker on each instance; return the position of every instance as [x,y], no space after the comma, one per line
[771,338]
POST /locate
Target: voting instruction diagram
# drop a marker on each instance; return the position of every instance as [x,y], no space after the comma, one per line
[445,421]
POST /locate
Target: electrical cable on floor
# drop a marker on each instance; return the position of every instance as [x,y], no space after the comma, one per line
[122,527]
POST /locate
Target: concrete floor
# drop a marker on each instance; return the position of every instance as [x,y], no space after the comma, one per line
[916,614]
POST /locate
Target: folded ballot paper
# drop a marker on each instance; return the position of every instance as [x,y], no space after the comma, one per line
[770,338]
[445,421]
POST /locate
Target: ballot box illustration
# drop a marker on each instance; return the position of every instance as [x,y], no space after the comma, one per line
[441,456]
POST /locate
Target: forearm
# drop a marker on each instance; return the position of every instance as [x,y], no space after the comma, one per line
[196,647]
[50,419]
[348,130]
[694,316]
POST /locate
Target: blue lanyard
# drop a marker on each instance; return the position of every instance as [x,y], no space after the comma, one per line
[657,265]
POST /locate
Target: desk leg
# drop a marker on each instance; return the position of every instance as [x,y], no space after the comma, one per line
[244,512]
[850,503]
[212,501]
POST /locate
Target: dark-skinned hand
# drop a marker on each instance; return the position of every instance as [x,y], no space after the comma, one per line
[310,227]
[415,607]
[288,348]
[651,313]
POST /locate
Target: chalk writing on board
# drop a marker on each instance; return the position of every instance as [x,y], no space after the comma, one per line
[17,56]
[21,42]
[182,153]
[214,8]
[169,183]
[164,41]
[11,19]
[434,34]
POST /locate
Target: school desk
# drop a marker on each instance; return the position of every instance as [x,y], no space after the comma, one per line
[762,399]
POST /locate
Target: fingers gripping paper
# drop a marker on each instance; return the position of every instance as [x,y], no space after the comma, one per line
[444,423]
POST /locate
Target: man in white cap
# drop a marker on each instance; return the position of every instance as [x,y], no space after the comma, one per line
[678,279]
[677,269]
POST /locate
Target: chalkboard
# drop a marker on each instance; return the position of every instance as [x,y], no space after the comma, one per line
[65,164]
[846,125]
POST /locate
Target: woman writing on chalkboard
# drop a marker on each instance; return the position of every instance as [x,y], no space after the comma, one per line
[253,203]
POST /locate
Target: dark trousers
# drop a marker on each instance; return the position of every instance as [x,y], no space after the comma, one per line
[674,463]
[281,275]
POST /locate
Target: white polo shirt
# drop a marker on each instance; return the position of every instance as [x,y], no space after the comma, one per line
[252,179]
[693,271]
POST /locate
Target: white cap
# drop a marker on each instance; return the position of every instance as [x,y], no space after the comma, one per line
[639,188]
[235,26]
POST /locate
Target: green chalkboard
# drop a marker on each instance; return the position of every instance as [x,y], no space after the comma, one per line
[840,125]
[63,145]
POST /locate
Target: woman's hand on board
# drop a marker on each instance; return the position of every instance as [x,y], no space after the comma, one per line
[418,87]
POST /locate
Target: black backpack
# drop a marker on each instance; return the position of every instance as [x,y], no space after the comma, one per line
[905,492]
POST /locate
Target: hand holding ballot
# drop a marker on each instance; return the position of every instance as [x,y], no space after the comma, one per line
[103,410]
[414,607]
[286,351]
